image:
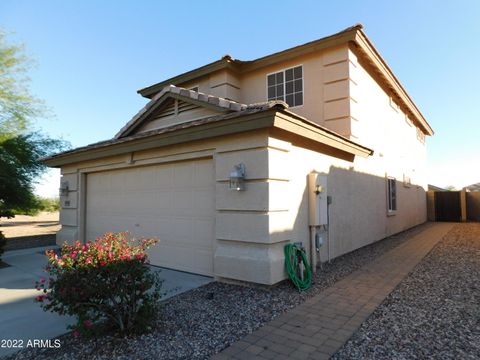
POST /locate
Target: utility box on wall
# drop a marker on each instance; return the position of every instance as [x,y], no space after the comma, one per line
[317,199]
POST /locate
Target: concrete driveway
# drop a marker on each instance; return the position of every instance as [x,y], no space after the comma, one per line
[22,318]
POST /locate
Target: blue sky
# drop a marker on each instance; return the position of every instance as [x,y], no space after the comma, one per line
[92,56]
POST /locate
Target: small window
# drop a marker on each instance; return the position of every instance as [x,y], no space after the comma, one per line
[286,85]
[392,194]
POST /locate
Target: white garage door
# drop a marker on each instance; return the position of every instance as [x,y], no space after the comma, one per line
[172,202]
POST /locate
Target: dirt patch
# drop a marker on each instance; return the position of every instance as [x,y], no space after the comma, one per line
[25,231]
[24,225]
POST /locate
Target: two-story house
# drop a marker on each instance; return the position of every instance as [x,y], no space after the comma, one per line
[227,163]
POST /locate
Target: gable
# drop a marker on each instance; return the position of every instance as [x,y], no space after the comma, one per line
[175,105]
[173,112]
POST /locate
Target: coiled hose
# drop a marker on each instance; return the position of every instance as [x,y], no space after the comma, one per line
[294,256]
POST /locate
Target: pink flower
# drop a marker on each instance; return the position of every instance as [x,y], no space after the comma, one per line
[42,280]
[40,298]
[88,323]
[76,333]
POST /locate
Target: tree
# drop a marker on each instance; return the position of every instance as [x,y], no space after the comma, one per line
[21,146]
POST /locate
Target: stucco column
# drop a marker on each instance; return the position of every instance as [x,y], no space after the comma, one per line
[252,226]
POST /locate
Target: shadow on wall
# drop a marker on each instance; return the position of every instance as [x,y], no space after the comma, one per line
[358,214]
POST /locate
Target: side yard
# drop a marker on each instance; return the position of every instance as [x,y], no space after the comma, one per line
[202,322]
[434,312]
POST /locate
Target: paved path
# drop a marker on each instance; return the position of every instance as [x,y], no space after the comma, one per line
[318,328]
[23,319]
[20,317]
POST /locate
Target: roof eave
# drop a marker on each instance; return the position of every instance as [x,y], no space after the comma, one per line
[224,63]
[372,53]
[273,117]
[244,66]
[244,123]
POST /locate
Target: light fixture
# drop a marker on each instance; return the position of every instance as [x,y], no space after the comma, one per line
[237,177]
[63,188]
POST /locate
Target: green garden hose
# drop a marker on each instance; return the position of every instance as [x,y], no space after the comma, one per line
[293,257]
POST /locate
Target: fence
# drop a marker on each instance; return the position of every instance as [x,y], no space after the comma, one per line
[453,206]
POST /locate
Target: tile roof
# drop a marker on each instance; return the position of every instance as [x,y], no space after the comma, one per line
[473,187]
[189,95]
[243,110]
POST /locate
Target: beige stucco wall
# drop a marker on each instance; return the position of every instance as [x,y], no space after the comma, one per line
[326,87]
[252,227]
[358,212]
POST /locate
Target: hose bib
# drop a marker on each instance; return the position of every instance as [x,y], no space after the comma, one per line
[296,265]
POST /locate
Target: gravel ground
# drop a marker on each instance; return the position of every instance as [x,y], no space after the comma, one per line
[203,321]
[434,313]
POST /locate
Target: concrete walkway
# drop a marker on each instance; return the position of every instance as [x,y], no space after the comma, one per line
[318,328]
[20,317]
[23,319]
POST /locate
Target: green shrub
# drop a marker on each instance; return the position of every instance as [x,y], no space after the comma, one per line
[105,284]
[37,205]
[48,204]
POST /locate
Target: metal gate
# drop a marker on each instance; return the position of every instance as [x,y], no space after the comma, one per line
[448,206]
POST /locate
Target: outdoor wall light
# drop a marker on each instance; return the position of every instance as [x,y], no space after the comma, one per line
[64,188]
[237,177]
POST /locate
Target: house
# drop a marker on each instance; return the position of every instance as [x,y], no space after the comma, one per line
[435,188]
[472,187]
[227,163]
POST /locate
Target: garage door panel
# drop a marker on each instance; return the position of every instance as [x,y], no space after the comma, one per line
[182,174]
[203,200]
[172,202]
[201,231]
[181,258]
[182,200]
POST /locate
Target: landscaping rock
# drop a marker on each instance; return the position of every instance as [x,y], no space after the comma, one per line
[203,321]
[434,313]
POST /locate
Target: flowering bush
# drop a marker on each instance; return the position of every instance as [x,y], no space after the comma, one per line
[105,283]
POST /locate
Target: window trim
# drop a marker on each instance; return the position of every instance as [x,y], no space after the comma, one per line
[193,87]
[391,211]
[283,70]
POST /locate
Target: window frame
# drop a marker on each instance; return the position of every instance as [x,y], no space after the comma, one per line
[392,210]
[284,84]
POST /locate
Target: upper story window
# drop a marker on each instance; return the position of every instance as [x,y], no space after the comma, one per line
[286,85]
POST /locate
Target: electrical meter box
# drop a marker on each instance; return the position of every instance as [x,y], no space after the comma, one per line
[317,199]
